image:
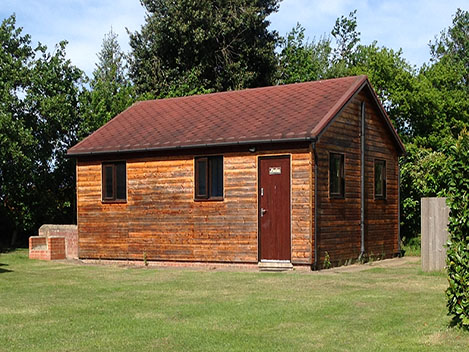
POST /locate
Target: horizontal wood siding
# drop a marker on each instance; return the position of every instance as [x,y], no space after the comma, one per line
[162,220]
[339,219]
[102,228]
[381,215]
[301,208]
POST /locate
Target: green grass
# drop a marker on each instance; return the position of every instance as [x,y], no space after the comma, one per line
[49,306]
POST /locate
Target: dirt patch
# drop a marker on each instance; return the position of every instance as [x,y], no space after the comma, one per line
[386,263]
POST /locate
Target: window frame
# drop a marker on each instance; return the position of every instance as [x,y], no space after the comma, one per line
[341,194]
[384,179]
[208,179]
[113,165]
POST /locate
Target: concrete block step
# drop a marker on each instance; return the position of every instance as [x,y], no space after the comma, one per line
[275,265]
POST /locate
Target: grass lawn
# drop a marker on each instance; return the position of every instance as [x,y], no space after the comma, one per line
[49,306]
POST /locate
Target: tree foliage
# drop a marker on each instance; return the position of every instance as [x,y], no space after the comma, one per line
[453,42]
[38,120]
[435,110]
[189,47]
[347,37]
[458,244]
[391,76]
[111,91]
[300,60]
[424,173]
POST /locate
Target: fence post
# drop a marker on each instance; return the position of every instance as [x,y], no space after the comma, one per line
[434,230]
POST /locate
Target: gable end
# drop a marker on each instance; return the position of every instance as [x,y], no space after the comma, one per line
[365,85]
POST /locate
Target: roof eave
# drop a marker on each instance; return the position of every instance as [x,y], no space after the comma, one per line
[192,146]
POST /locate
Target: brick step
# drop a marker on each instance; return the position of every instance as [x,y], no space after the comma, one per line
[46,248]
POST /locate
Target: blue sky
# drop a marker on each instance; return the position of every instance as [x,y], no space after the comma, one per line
[406,24]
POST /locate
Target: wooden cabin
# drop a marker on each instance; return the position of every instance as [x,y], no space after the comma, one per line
[279,174]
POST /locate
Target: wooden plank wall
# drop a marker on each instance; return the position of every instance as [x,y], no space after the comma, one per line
[302,234]
[162,219]
[381,220]
[339,219]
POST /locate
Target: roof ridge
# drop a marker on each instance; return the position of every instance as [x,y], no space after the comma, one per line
[359,80]
[196,96]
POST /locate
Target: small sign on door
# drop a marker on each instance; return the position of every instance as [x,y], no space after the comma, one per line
[276,170]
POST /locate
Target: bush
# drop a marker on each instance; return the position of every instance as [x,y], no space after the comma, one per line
[412,246]
[424,173]
[458,244]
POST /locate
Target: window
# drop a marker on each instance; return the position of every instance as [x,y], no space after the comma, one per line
[114,182]
[336,175]
[209,178]
[380,179]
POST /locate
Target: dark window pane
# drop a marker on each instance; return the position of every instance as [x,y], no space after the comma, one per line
[114,181]
[340,174]
[121,189]
[336,174]
[201,177]
[378,183]
[216,176]
[380,178]
[108,176]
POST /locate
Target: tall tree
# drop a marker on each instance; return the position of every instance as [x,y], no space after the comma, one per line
[437,110]
[453,44]
[38,122]
[347,37]
[300,60]
[446,81]
[192,46]
[391,75]
[112,63]
[111,91]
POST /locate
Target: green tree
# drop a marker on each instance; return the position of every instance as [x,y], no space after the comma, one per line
[187,46]
[445,83]
[424,173]
[111,91]
[436,111]
[38,123]
[453,43]
[300,60]
[428,106]
[392,77]
[347,38]
[457,261]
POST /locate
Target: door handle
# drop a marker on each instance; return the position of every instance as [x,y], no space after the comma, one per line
[263,211]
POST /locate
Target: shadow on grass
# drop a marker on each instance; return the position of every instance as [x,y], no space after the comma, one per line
[3,270]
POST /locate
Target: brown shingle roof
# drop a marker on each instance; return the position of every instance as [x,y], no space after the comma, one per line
[277,113]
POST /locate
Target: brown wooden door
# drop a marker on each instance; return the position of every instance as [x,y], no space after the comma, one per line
[274,208]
